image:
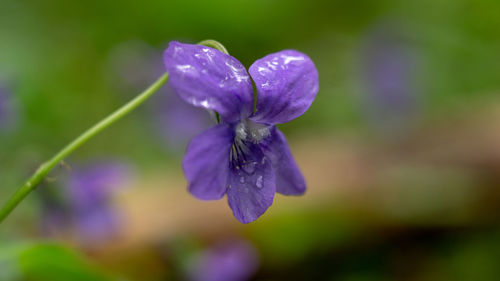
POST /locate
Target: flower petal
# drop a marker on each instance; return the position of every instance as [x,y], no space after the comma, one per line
[289,179]
[251,186]
[206,163]
[287,83]
[208,78]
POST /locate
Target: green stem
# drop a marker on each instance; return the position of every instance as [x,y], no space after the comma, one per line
[214,44]
[46,167]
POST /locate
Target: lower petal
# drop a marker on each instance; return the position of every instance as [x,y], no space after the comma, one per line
[289,179]
[206,163]
[251,186]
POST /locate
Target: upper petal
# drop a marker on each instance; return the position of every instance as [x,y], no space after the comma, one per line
[208,78]
[206,162]
[251,185]
[287,83]
[289,179]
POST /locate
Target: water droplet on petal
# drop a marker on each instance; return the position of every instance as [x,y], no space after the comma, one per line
[242,179]
[249,168]
[259,181]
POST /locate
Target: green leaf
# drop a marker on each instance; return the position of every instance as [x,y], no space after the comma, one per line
[48,262]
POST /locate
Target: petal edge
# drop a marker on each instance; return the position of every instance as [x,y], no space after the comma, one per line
[289,178]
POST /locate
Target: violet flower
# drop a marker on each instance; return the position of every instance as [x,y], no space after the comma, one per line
[245,156]
[232,261]
[85,205]
[91,190]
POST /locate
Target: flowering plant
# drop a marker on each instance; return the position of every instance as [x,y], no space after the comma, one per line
[244,156]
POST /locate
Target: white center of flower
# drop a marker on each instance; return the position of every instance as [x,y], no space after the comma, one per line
[251,131]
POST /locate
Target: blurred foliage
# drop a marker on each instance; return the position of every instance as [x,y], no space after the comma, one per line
[46,262]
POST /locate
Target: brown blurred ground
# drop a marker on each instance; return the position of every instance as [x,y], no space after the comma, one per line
[446,173]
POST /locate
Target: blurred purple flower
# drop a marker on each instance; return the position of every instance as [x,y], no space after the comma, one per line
[388,66]
[245,156]
[86,203]
[90,191]
[234,261]
[175,120]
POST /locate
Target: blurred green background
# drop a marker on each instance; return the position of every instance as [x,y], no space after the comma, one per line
[401,148]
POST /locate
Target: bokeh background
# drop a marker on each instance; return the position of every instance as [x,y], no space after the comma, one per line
[401,148]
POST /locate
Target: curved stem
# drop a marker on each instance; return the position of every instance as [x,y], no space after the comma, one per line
[214,44]
[46,167]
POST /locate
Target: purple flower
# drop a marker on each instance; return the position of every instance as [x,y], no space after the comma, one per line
[90,191]
[245,156]
[85,204]
[234,261]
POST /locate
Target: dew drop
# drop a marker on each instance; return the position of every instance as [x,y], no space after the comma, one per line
[249,168]
[258,183]
[242,180]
